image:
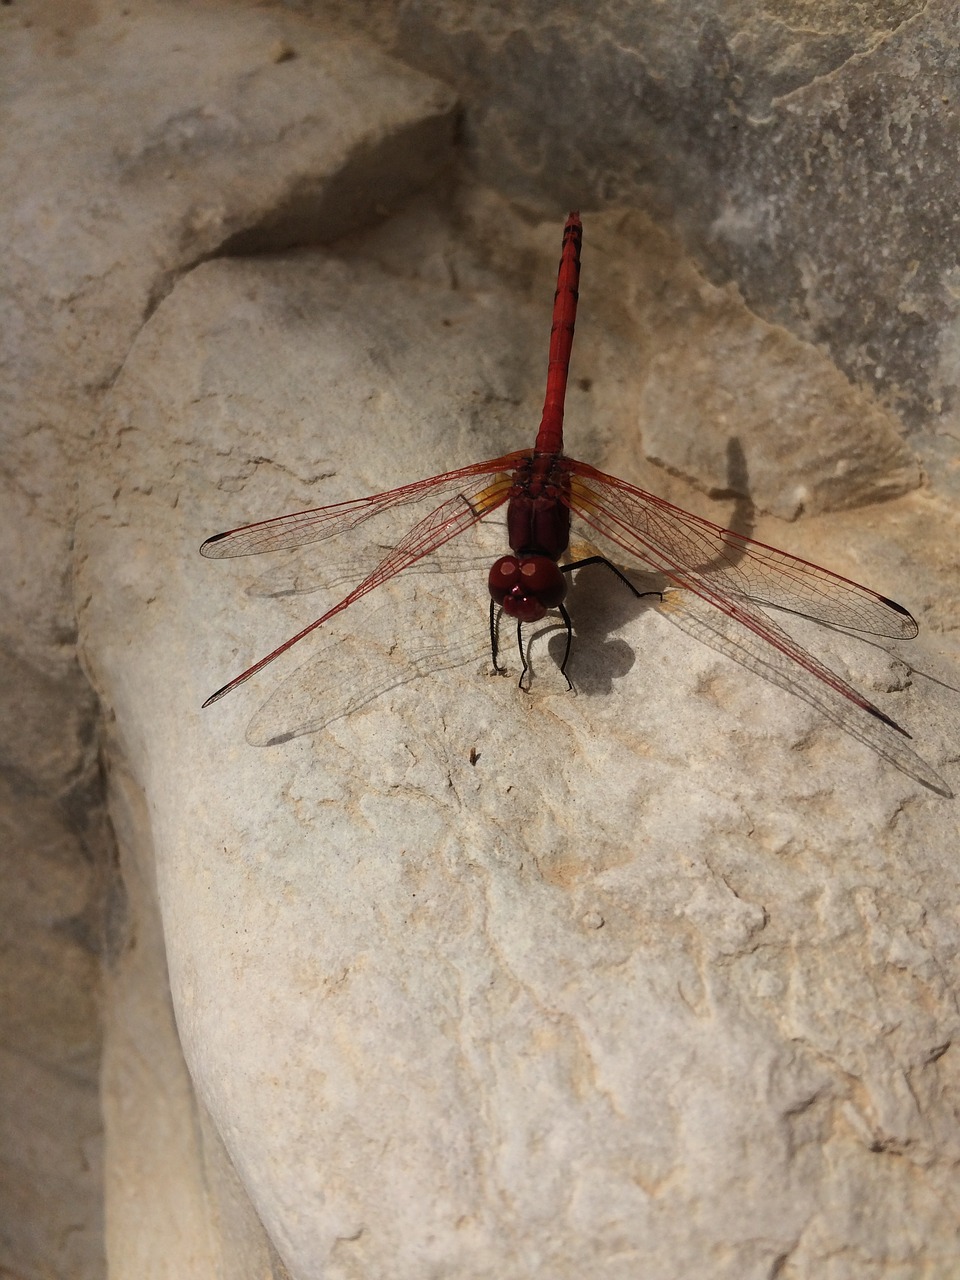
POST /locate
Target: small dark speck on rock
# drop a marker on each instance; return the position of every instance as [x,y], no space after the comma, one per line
[280,51]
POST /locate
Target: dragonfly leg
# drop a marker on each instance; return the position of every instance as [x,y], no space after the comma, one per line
[566,653]
[523,657]
[579,564]
[494,638]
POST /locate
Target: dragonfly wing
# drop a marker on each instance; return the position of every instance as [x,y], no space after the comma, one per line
[300,528]
[306,573]
[353,671]
[729,635]
[707,558]
[475,497]
[729,577]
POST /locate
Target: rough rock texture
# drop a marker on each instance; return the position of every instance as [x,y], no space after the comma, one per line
[451,981]
[52,844]
[557,1010]
[807,151]
[714,382]
[137,140]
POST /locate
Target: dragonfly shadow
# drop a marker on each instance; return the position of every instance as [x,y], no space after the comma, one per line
[925,675]
[600,606]
[743,517]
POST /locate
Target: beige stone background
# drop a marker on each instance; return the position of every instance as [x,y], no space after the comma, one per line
[656,981]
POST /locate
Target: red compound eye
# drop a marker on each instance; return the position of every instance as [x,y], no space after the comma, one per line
[527,586]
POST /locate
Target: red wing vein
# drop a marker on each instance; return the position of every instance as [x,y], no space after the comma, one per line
[465,508]
[300,528]
[662,549]
[676,541]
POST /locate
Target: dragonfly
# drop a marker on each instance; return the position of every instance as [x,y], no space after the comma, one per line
[542,489]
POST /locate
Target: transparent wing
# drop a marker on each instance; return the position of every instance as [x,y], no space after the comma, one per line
[477,491]
[734,574]
[300,528]
[729,636]
[682,545]
[303,573]
[351,671]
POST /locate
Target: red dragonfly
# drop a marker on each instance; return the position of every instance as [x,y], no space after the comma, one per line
[542,488]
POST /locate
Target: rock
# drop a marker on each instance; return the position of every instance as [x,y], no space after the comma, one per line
[139,141]
[403,971]
[394,997]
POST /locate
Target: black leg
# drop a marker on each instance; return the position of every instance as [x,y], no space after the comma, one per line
[494,639]
[580,564]
[564,568]
[566,653]
[523,656]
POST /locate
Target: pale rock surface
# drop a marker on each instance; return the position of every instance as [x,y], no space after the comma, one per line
[652,979]
[206,134]
[794,436]
[138,139]
[657,978]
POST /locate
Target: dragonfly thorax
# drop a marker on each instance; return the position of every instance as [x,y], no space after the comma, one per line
[525,587]
[538,514]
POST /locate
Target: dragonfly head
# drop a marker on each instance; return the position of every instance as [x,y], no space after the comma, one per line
[525,587]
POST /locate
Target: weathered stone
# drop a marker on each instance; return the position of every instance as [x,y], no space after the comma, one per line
[468,948]
[138,140]
[451,979]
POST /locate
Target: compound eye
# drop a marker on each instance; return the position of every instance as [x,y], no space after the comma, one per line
[504,578]
[541,577]
[526,586]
